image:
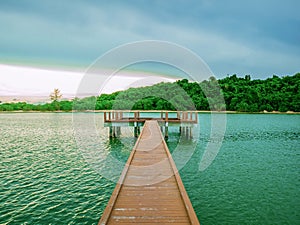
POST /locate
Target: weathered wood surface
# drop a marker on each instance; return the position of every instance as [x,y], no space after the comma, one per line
[150,189]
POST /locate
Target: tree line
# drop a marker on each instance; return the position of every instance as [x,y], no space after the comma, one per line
[232,93]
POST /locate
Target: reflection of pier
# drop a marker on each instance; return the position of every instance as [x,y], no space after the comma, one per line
[183,119]
[150,190]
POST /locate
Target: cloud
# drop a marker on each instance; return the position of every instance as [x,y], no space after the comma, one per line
[18,80]
[27,81]
[227,35]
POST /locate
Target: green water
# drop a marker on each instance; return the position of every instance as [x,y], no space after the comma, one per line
[44,179]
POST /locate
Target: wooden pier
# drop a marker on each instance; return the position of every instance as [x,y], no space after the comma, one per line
[150,190]
[124,116]
[183,119]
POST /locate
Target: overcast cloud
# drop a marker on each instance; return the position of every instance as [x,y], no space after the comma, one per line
[260,38]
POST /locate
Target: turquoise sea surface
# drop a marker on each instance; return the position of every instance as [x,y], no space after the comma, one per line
[45,178]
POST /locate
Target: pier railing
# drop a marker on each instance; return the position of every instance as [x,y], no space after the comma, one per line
[142,116]
[185,120]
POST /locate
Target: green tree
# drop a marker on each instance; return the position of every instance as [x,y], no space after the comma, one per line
[55,95]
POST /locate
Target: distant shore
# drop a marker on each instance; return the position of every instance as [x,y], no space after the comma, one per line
[199,111]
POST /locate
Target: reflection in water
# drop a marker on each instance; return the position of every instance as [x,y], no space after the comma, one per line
[120,147]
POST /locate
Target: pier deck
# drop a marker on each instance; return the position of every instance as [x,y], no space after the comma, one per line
[150,189]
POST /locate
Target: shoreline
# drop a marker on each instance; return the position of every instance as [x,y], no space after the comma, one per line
[199,111]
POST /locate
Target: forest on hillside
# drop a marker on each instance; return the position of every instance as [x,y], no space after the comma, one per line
[232,93]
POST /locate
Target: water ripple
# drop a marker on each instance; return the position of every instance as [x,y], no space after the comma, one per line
[45,180]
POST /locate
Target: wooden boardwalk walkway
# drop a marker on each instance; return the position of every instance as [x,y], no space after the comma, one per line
[150,189]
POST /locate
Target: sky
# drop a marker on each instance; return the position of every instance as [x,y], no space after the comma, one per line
[256,37]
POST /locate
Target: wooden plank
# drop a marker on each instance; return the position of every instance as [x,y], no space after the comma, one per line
[190,210]
[149,190]
[107,212]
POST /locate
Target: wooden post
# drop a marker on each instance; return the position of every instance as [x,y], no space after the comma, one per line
[166,130]
[182,131]
[138,130]
[114,131]
[135,129]
[110,132]
[118,131]
[167,115]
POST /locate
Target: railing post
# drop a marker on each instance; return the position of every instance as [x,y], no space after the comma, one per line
[112,115]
